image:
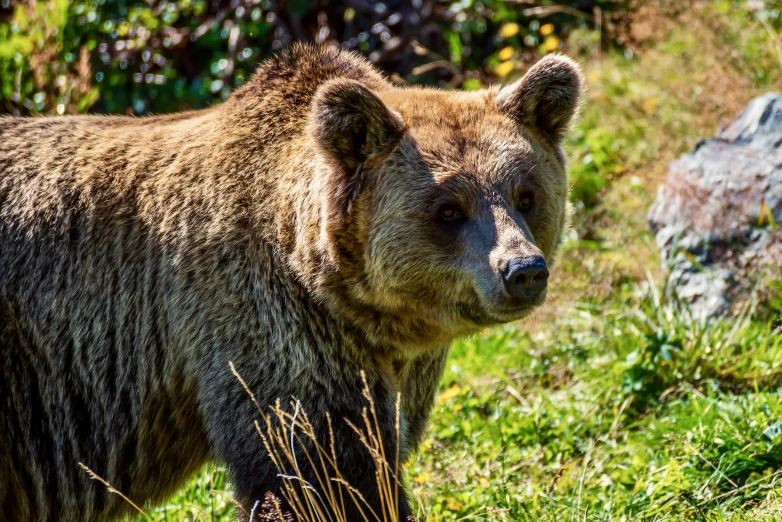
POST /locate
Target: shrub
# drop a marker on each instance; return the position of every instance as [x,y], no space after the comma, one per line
[133,56]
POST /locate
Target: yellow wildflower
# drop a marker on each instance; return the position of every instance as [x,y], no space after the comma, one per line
[450,393]
[510,29]
[504,69]
[551,43]
[546,29]
[422,478]
[506,54]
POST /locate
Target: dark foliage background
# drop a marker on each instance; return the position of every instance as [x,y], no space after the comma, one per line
[136,57]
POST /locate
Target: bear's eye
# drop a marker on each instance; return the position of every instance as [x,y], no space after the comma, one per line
[525,202]
[449,214]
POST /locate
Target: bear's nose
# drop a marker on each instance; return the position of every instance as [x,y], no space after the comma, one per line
[525,277]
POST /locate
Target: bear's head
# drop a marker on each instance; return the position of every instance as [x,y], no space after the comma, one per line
[441,211]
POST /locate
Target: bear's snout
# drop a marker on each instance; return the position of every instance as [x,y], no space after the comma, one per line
[525,278]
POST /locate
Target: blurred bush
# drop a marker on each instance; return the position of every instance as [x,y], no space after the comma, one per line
[136,57]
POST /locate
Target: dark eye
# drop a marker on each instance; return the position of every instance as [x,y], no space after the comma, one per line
[450,214]
[525,202]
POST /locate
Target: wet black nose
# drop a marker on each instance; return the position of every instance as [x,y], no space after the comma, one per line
[525,277]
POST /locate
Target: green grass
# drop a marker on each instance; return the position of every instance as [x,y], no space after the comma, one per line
[619,407]
[631,410]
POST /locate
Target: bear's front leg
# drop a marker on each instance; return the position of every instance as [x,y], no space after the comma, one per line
[343,466]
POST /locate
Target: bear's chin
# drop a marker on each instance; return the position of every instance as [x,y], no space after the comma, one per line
[482,317]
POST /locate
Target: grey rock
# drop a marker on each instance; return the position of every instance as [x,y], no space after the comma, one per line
[707,217]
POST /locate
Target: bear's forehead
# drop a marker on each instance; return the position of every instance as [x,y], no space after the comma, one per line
[463,135]
[454,111]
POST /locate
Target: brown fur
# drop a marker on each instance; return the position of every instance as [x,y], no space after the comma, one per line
[293,230]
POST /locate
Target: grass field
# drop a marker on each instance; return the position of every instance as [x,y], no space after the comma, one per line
[614,404]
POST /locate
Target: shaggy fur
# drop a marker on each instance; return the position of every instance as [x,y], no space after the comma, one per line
[295,230]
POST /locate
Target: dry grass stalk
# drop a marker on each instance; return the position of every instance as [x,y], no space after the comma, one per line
[95,476]
[290,437]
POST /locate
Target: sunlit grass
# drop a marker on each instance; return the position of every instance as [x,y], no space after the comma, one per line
[632,410]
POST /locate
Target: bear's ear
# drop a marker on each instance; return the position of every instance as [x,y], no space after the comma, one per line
[546,99]
[351,125]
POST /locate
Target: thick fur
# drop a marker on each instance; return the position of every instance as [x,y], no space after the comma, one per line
[292,230]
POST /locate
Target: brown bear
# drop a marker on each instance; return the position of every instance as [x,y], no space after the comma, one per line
[320,224]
